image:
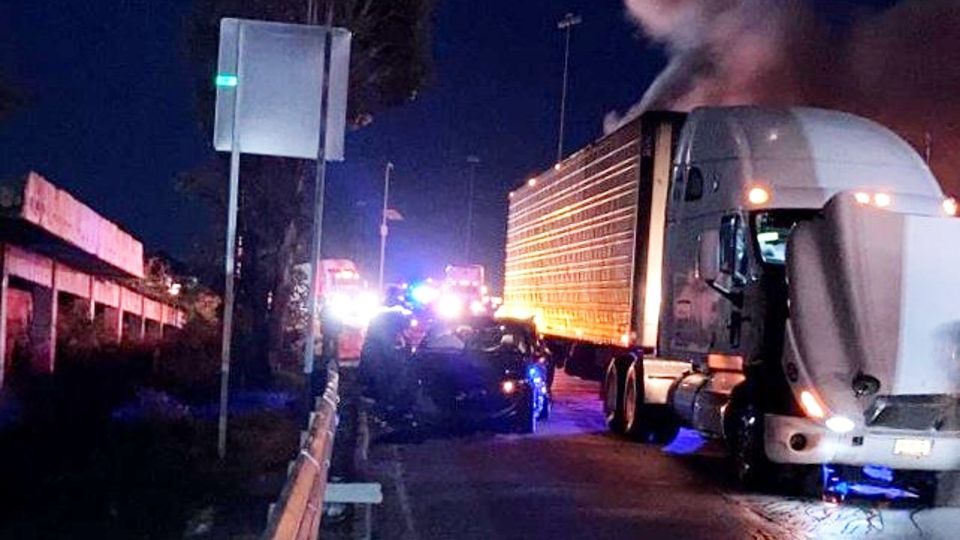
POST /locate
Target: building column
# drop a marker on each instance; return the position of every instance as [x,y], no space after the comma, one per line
[143,319]
[163,320]
[92,314]
[43,328]
[4,284]
[113,323]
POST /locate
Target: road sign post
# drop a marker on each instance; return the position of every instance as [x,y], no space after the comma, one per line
[281,91]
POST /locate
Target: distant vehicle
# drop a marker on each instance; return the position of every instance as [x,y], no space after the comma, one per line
[775,277]
[482,370]
[463,292]
[346,303]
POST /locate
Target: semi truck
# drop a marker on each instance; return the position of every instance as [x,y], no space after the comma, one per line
[783,279]
[465,283]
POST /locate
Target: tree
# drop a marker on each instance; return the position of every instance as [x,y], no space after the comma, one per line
[390,62]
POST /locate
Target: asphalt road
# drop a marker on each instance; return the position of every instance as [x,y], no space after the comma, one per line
[574,480]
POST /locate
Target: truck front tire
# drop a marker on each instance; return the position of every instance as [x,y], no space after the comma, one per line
[743,429]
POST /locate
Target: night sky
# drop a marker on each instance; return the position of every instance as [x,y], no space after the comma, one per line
[110,115]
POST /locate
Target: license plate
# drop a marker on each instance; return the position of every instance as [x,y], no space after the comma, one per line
[912,447]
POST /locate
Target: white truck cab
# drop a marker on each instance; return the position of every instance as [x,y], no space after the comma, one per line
[808,282]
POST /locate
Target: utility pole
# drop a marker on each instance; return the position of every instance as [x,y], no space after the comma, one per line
[474,162]
[384,229]
[566,24]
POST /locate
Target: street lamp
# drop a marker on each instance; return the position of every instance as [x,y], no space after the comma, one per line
[474,162]
[384,230]
[566,24]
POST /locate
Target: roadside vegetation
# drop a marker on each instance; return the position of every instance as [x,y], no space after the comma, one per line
[121,443]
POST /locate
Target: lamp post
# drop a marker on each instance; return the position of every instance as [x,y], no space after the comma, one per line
[384,229]
[566,24]
[474,162]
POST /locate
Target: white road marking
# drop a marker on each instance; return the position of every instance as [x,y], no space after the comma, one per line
[403,497]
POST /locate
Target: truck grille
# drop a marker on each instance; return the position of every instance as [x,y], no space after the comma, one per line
[931,412]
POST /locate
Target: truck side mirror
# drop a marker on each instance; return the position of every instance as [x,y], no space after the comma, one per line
[708,256]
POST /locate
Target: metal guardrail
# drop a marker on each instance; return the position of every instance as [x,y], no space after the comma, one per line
[297,514]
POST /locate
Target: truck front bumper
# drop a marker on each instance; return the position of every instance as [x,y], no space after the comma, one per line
[859,447]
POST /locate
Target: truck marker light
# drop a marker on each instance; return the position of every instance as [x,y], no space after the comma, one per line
[226,80]
[950,206]
[758,195]
[861,197]
[532,182]
[840,424]
[882,200]
[811,405]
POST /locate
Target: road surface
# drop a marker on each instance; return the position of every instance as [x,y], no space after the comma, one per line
[573,480]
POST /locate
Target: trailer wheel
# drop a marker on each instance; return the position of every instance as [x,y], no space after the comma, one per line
[612,393]
[649,423]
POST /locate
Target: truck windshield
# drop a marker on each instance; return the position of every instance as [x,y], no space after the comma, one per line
[772,229]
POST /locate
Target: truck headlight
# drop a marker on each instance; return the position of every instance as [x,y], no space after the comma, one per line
[840,424]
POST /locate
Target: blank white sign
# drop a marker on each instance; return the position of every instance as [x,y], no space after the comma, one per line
[279,71]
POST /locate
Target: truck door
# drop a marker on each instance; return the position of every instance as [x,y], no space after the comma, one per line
[727,328]
[689,306]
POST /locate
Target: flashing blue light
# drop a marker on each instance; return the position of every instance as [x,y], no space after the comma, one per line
[687,442]
[877,472]
[868,490]
[424,294]
[877,484]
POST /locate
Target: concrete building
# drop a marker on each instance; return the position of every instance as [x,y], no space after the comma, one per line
[56,254]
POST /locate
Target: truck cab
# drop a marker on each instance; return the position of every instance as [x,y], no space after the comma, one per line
[799,250]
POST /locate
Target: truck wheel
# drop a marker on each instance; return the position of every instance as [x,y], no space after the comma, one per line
[612,393]
[649,423]
[745,431]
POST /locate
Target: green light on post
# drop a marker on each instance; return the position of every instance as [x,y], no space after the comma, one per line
[226,80]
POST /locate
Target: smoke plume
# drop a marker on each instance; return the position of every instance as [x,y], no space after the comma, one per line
[900,66]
